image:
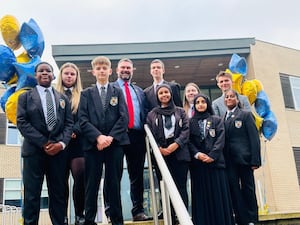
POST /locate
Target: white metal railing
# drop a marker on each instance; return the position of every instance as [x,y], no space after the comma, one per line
[169,190]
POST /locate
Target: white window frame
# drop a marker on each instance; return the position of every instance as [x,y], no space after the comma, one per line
[12,133]
[8,189]
[295,88]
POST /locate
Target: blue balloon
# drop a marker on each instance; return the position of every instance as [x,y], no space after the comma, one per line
[25,73]
[7,58]
[262,104]
[238,64]
[269,126]
[6,95]
[32,39]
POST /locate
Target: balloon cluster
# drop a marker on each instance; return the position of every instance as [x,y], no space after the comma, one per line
[265,119]
[17,70]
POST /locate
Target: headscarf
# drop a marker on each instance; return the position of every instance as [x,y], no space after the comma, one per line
[209,110]
[170,109]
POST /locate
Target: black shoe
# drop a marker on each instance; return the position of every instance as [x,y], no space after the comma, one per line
[141,217]
[160,215]
[79,220]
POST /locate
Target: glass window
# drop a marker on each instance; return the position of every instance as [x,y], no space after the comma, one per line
[12,194]
[13,136]
[295,85]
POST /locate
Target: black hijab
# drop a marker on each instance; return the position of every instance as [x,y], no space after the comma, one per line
[209,110]
[170,109]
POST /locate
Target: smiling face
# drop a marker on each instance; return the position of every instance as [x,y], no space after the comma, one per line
[190,92]
[44,74]
[231,99]
[125,70]
[164,96]
[200,104]
[68,76]
[224,83]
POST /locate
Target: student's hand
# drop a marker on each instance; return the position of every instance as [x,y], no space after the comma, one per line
[53,148]
[164,151]
[207,159]
[103,141]
[254,167]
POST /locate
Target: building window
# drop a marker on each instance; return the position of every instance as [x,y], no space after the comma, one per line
[12,193]
[13,136]
[297,161]
[291,91]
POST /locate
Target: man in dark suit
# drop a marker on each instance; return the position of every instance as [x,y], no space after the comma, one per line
[103,120]
[135,152]
[157,70]
[46,131]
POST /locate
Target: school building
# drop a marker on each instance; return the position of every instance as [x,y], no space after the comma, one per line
[276,67]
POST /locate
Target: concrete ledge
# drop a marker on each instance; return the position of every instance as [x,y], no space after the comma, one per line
[280,218]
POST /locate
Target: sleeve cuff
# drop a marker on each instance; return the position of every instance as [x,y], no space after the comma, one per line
[63,145]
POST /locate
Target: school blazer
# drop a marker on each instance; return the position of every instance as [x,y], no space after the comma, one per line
[181,133]
[94,120]
[32,124]
[242,142]
[213,144]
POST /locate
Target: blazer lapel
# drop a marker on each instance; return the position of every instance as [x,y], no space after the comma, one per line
[97,101]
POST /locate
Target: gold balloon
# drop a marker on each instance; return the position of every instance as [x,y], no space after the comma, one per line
[258,120]
[23,57]
[11,106]
[10,29]
[258,84]
[13,80]
[249,90]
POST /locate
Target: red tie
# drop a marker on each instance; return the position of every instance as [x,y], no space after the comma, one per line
[129,106]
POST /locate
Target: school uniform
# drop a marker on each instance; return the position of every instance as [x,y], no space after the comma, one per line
[31,122]
[242,151]
[108,119]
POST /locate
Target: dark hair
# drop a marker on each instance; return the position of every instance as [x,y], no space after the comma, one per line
[40,63]
[240,105]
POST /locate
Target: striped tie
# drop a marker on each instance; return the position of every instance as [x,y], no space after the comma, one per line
[51,121]
[103,95]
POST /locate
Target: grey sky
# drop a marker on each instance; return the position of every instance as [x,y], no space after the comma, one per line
[127,21]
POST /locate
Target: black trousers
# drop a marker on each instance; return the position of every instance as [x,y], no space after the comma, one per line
[112,158]
[135,154]
[35,167]
[242,189]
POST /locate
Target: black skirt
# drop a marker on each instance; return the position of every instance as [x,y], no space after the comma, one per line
[211,201]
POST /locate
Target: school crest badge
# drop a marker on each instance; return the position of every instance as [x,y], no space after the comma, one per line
[62,103]
[113,101]
[238,123]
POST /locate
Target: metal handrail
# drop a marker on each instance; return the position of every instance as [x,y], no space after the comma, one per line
[179,207]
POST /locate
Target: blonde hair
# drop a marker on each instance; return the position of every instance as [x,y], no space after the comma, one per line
[223,74]
[76,88]
[186,104]
[101,60]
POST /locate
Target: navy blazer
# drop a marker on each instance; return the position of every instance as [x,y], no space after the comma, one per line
[213,143]
[32,124]
[181,133]
[242,142]
[152,99]
[142,101]
[94,120]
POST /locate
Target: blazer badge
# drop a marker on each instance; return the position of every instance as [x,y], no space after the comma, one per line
[212,132]
[114,101]
[62,103]
[238,123]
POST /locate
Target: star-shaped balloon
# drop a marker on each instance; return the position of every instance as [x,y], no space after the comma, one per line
[32,38]
[6,95]
[7,58]
[25,73]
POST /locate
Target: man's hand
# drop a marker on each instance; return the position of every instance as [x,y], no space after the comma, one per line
[53,148]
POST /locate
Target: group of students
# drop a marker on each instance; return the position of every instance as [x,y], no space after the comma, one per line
[99,125]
